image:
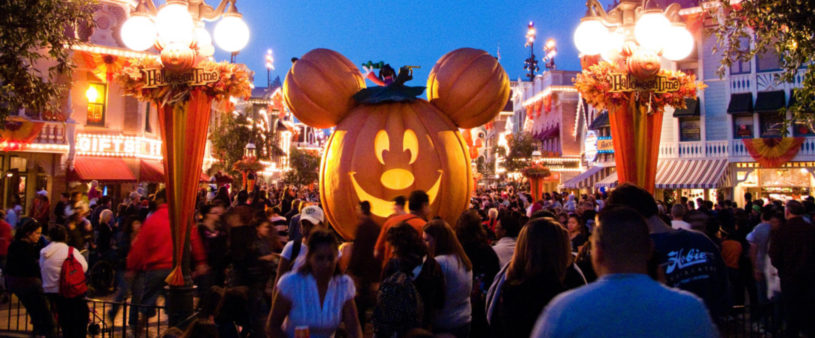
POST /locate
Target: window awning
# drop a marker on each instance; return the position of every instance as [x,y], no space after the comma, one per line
[585,180]
[108,169]
[684,174]
[692,109]
[740,103]
[770,101]
[153,171]
[600,122]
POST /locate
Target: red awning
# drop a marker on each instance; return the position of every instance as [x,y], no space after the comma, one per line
[153,171]
[101,169]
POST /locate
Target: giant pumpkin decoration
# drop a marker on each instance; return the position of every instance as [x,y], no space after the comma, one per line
[387,142]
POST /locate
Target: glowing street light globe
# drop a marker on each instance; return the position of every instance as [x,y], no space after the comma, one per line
[613,47]
[650,30]
[231,33]
[175,24]
[680,43]
[202,36]
[590,37]
[138,33]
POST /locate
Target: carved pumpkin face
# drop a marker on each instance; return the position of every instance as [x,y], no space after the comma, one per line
[382,150]
[643,64]
[177,58]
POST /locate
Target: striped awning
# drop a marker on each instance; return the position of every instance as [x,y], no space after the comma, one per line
[585,180]
[684,174]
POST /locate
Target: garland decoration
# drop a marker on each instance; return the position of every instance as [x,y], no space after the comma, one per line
[773,152]
[597,85]
[536,171]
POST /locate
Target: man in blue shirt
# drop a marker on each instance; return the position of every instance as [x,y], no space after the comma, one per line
[624,301]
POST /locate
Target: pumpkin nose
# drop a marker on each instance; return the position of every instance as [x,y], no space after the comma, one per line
[396,179]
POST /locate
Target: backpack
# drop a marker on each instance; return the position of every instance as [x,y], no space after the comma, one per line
[398,306]
[72,279]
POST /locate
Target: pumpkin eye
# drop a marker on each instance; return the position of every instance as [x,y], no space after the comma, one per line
[381,144]
[411,143]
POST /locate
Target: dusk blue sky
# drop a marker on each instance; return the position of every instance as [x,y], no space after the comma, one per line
[405,32]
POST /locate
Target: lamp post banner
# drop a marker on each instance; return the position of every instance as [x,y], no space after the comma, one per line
[184,131]
[636,135]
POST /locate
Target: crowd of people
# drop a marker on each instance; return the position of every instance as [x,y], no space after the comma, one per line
[267,263]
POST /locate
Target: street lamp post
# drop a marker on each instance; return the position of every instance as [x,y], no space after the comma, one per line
[549,52]
[269,66]
[531,63]
[177,30]
[632,39]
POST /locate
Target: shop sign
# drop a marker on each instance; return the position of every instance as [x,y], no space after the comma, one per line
[117,145]
[590,146]
[157,77]
[622,82]
[605,145]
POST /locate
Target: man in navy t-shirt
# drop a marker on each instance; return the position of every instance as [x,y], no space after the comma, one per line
[683,259]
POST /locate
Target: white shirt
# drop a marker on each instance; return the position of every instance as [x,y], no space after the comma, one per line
[504,248]
[680,224]
[458,284]
[301,290]
[301,257]
[51,258]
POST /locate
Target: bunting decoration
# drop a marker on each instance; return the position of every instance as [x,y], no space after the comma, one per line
[773,152]
[17,133]
[103,66]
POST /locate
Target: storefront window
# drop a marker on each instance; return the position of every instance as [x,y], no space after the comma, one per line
[743,126]
[96,95]
[767,62]
[772,124]
[802,129]
[689,129]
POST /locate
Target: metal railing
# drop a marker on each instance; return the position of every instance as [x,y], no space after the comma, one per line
[100,324]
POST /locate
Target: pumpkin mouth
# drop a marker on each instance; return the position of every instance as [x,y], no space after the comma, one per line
[384,208]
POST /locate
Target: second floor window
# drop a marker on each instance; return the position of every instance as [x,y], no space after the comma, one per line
[772,124]
[743,126]
[690,129]
[767,62]
[96,95]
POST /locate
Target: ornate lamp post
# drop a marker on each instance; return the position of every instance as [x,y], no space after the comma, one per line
[632,39]
[178,87]
[531,63]
[549,52]
[269,67]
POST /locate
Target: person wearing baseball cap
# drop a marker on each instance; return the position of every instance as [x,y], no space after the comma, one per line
[294,253]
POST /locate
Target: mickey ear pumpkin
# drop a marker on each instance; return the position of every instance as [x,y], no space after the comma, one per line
[319,87]
[469,85]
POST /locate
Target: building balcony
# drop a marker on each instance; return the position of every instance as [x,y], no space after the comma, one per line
[762,81]
[733,150]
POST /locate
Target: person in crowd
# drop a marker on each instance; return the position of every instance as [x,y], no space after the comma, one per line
[316,295]
[678,213]
[578,232]
[14,214]
[59,208]
[124,286]
[363,266]
[536,274]
[507,230]
[104,237]
[624,301]
[419,205]
[40,207]
[410,257]
[731,251]
[104,203]
[72,312]
[792,251]
[23,277]
[683,259]
[214,239]
[151,254]
[5,237]
[490,223]
[295,252]
[456,313]
[759,239]
[473,239]
[399,205]
[279,223]
[293,217]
